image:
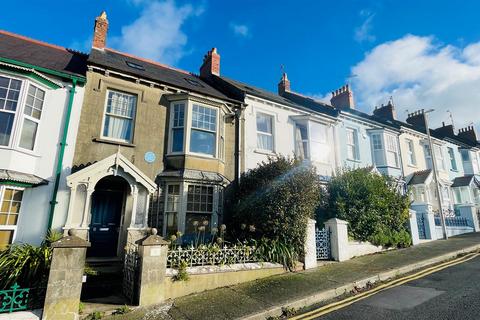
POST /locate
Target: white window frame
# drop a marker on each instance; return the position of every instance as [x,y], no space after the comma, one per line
[377,149]
[272,134]
[412,158]
[31,118]
[353,144]
[306,154]
[13,228]
[133,119]
[187,129]
[179,206]
[391,147]
[453,160]
[439,157]
[19,114]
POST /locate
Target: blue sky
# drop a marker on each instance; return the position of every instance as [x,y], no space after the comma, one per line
[423,53]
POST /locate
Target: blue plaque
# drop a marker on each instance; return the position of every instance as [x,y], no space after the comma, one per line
[150,157]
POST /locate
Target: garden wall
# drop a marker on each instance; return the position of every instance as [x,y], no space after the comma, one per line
[211,277]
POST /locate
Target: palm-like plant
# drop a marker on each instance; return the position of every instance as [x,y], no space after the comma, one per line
[26,264]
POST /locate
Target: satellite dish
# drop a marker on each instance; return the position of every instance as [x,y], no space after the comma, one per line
[150,157]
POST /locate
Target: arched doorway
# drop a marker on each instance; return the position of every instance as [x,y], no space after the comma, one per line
[108,202]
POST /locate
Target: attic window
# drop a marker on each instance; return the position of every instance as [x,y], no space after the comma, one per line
[135,66]
[194,82]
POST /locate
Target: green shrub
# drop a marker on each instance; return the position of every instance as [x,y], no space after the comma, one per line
[122,310]
[274,250]
[182,274]
[26,264]
[275,201]
[372,204]
[97,315]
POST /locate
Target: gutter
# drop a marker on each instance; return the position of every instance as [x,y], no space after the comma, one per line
[63,144]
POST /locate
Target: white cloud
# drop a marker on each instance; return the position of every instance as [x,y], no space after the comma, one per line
[419,73]
[241,30]
[364,32]
[157,33]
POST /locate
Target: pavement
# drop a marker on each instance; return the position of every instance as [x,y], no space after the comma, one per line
[263,298]
[452,293]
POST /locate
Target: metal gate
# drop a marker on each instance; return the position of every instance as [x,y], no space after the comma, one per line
[130,274]
[422,234]
[322,239]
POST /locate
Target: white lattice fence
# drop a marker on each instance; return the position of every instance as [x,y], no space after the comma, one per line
[210,256]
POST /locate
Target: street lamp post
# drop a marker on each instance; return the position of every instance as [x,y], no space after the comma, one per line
[435,174]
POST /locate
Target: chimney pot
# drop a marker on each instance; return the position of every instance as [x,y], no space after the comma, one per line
[342,98]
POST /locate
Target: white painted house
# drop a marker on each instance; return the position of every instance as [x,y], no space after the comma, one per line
[41,95]
[274,125]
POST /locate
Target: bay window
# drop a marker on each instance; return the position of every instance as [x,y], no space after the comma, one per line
[319,149]
[265,132]
[196,129]
[377,147]
[9,96]
[199,207]
[32,113]
[203,135]
[119,116]
[172,206]
[178,127]
[20,112]
[10,201]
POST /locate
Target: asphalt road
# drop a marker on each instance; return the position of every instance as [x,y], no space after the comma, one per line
[452,293]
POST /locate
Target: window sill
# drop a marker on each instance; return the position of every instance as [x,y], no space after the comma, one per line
[24,151]
[412,166]
[265,152]
[354,160]
[117,143]
[454,170]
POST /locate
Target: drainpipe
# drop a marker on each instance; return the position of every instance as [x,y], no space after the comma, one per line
[63,144]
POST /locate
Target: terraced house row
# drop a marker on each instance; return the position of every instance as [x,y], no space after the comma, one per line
[111,144]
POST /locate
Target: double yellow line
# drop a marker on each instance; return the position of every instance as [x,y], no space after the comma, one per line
[394,283]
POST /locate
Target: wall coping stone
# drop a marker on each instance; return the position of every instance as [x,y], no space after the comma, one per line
[71,241]
[226,268]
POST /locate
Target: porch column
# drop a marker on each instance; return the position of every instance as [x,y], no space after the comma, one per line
[147,206]
[134,205]
[71,205]
[86,210]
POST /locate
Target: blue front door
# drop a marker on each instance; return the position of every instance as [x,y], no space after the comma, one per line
[105,223]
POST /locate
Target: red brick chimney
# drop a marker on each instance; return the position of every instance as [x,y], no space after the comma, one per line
[342,98]
[468,134]
[100,31]
[284,84]
[386,111]
[211,64]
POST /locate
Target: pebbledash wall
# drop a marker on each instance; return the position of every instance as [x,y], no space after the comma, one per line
[42,160]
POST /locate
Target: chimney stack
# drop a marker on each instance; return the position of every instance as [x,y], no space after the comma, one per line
[445,130]
[100,31]
[211,64]
[342,98]
[386,111]
[417,119]
[469,134]
[283,85]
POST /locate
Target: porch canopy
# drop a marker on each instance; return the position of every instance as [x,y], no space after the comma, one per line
[82,185]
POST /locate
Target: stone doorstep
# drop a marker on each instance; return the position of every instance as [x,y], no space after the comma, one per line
[22,315]
[329,294]
[107,308]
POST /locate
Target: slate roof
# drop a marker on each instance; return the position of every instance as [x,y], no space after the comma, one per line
[465,181]
[420,177]
[41,54]
[311,104]
[153,71]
